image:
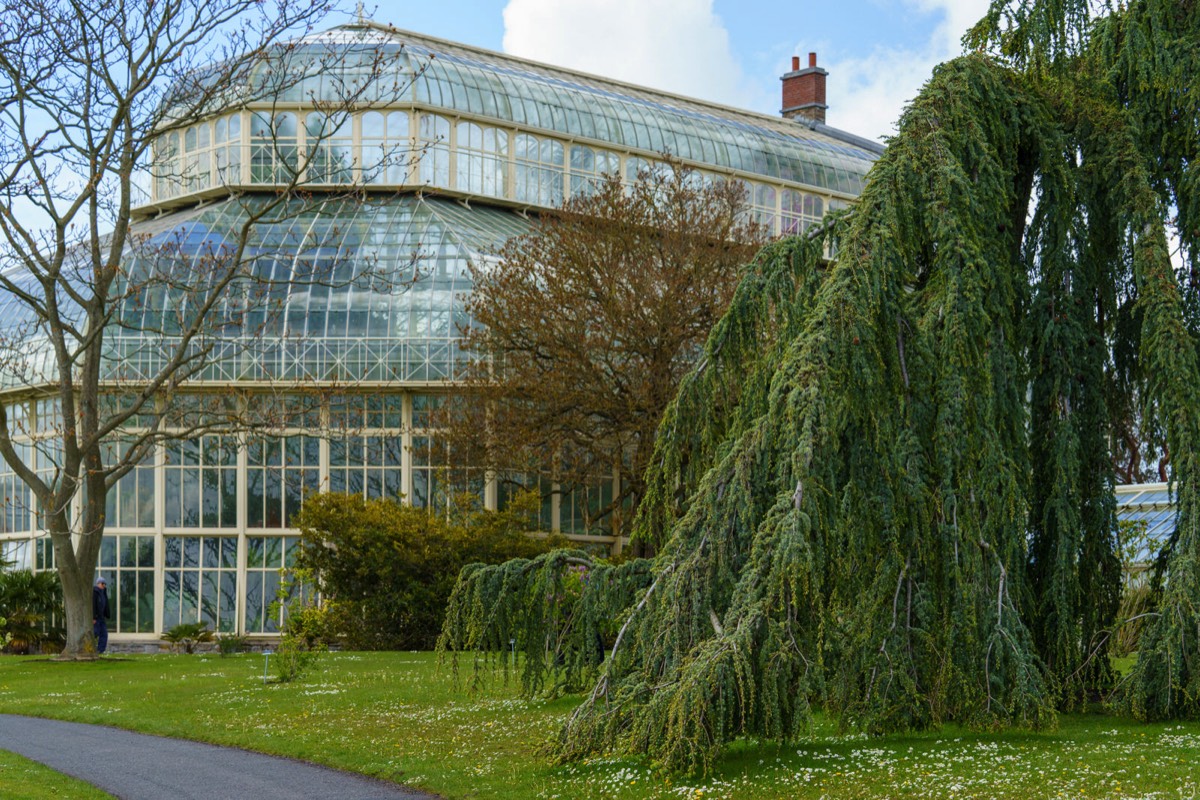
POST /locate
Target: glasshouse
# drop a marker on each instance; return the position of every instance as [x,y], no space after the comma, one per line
[445,153]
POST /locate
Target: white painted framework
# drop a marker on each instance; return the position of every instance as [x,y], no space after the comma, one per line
[415,148]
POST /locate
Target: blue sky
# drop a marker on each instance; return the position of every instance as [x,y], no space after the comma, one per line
[878,52]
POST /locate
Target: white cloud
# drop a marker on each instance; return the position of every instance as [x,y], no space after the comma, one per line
[678,46]
[867,94]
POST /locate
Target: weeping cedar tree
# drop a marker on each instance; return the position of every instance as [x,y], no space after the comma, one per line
[886,488]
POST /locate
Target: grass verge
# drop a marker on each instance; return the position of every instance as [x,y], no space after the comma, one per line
[397,716]
[22,779]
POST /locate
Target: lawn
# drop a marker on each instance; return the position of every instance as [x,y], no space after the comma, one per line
[397,716]
[22,779]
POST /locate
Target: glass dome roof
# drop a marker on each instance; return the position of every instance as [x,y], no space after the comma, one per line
[469,80]
[379,298]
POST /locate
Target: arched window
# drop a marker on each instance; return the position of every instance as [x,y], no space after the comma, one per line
[800,211]
[197,169]
[539,170]
[481,160]
[329,142]
[167,165]
[227,149]
[386,147]
[634,166]
[273,146]
[763,204]
[590,167]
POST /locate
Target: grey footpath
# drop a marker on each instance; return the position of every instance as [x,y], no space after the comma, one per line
[135,766]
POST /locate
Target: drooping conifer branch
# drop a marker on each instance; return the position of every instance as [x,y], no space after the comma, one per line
[886,487]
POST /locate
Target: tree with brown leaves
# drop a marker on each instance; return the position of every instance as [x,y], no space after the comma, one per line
[586,326]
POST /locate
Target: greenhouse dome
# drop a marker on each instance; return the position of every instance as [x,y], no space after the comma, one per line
[446,152]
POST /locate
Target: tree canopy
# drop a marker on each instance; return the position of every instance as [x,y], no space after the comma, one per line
[886,487]
[588,323]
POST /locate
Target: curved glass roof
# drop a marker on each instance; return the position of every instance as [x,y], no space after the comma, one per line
[1150,506]
[340,290]
[527,94]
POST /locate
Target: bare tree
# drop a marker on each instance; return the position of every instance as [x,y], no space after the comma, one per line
[91,97]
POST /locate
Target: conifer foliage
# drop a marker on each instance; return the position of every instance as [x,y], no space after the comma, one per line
[885,488]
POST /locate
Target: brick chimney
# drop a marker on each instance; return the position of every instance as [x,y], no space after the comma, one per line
[804,91]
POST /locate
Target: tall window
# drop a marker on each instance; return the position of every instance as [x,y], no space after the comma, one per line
[166,165]
[44,556]
[266,557]
[198,158]
[131,501]
[539,170]
[127,562]
[800,210]
[482,160]
[330,144]
[280,473]
[200,483]
[386,149]
[762,203]
[589,168]
[273,147]
[227,148]
[200,581]
[581,506]
[15,497]
[634,167]
[434,142]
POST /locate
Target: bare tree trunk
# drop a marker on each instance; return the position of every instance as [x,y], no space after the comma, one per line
[76,569]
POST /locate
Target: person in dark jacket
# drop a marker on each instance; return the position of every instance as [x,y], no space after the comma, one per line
[100,614]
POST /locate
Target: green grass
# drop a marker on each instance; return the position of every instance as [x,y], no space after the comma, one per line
[396,716]
[22,779]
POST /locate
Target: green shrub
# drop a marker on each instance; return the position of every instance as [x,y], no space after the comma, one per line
[386,570]
[229,644]
[305,626]
[187,635]
[31,605]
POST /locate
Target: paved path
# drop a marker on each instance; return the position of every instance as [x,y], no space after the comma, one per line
[134,766]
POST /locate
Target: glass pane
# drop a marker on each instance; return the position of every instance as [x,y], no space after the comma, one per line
[228,604]
[228,498]
[128,492]
[272,552]
[129,551]
[254,552]
[270,590]
[145,499]
[145,551]
[108,552]
[254,602]
[191,551]
[171,482]
[189,599]
[191,498]
[274,499]
[211,547]
[229,553]
[210,588]
[172,556]
[145,610]
[211,499]
[127,600]
[172,601]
